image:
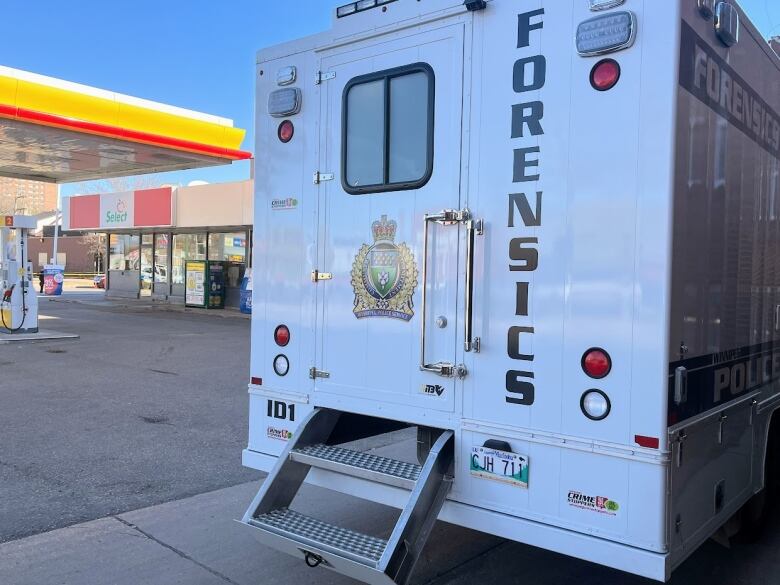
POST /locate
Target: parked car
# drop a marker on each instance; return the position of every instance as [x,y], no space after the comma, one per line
[99,281]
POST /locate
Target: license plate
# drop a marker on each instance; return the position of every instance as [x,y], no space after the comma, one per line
[502,466]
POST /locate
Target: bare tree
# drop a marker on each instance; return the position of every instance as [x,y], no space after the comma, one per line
[95,243]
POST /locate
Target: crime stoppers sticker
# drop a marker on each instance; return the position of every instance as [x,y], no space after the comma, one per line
[599,504]
[279,434]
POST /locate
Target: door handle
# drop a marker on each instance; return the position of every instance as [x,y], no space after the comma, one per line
[474,227]
[680,385]
[446,217]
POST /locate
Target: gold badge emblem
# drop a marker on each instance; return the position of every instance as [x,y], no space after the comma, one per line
[384,276]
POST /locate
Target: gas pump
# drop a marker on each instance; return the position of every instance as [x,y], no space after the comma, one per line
[18,298]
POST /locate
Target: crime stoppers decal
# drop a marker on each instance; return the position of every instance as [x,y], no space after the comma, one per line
[279,434]
[599,504]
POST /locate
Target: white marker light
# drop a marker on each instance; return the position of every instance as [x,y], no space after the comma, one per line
[707,8]
[727,23]
[284,102]
[596,5]
[606,33]
[366,4]
[281,365]
[595,405]
[286,75]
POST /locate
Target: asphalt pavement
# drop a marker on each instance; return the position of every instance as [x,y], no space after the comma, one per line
[148,406]
[120,465]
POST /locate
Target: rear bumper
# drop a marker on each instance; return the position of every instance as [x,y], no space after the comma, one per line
[581,546]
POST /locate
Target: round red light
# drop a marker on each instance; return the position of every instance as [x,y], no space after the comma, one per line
[596,363]
[605,75]
[286,131]
[282,335]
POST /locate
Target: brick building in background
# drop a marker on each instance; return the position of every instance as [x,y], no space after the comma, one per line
[20,197]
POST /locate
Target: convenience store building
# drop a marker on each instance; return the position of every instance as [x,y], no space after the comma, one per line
[151,233]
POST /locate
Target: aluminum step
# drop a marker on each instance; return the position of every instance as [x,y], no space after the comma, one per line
[359,464]
[323,537]
[366,558]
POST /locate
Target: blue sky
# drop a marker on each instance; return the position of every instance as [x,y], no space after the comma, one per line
[197,54]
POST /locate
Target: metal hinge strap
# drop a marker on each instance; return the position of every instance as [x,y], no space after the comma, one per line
[322,177]
[317,276]
[321,76]
[314,373]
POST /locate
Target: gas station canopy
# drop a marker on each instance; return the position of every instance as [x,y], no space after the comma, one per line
[60,132]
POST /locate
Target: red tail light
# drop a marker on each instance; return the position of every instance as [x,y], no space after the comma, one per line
[605,75]
[282,335]
[596,363]
[286,131]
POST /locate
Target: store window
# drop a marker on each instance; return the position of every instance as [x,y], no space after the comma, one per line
[186,247]
[124,252]
[388,130]
[161,249]
[231,248]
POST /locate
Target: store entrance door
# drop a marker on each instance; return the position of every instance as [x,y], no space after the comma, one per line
[147,264]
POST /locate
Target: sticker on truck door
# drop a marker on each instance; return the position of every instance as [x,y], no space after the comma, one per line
[501,466]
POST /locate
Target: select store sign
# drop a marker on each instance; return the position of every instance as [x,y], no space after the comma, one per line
[117,210]
[112,211]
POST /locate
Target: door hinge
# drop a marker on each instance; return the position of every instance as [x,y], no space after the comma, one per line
[317,276]
[314,373]
[322,177]
[321,76]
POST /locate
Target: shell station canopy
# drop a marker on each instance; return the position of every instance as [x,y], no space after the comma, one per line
[60,132]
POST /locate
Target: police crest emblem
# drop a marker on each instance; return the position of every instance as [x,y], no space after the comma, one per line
[384,275]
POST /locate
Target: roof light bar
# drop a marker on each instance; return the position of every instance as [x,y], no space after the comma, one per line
[359,6]
[607,33]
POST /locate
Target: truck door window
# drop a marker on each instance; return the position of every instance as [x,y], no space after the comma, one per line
[388,130]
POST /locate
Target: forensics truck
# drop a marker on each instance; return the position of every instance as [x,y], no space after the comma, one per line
[541,236]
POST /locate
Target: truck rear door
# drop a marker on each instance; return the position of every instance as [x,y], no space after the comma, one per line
[390,154]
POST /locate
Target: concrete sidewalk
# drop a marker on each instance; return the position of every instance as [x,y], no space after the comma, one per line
[196,541]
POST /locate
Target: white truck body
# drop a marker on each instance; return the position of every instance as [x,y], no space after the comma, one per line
[642,220]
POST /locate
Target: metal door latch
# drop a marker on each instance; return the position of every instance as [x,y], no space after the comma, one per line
[681,436]
[722,421]
[446,370]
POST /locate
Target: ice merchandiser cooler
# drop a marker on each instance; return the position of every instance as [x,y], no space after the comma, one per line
[205,284]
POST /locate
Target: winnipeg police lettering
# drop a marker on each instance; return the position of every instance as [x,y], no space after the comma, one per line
[529,74]
[384,276]
[710,79]
[718,378]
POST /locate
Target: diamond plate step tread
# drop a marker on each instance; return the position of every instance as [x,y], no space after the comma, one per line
[366,461]
[295,524]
